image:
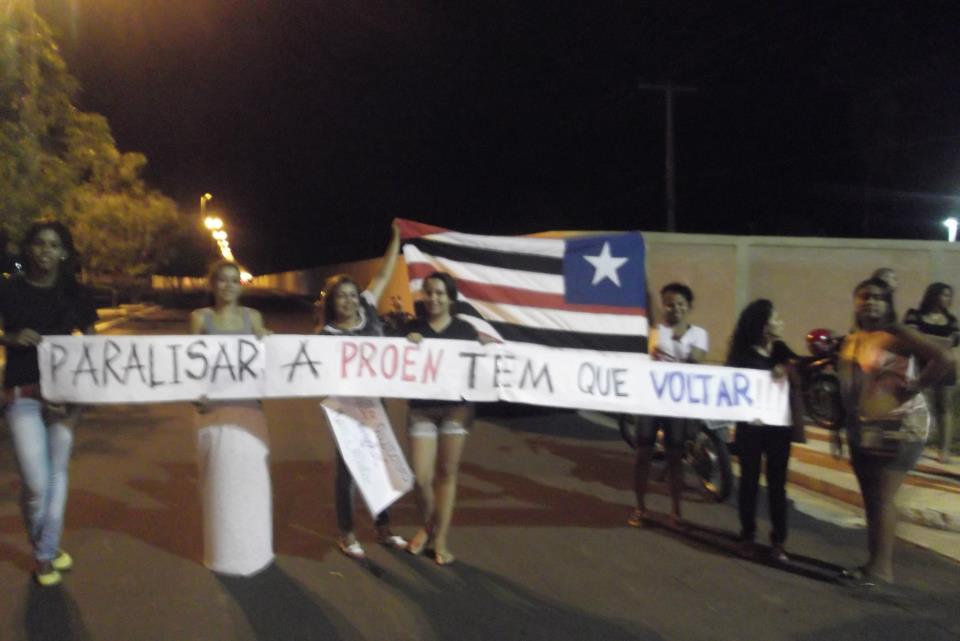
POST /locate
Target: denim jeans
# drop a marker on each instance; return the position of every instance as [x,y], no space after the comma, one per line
[43,454]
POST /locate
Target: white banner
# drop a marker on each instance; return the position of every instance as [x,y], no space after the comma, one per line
[370,449]
[149,369]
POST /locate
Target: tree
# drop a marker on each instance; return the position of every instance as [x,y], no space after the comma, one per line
[59,162]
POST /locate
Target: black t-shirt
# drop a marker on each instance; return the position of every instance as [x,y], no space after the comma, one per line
[48,311]
[456,330]
[752,359]
[914,318]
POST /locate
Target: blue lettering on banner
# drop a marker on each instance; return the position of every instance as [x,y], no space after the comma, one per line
[694,388]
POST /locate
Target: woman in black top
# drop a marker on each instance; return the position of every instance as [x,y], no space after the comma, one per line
[756,344]
[349,312]
[438,429]
[934,320]
[46,300]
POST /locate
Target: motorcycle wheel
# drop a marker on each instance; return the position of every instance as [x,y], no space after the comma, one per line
[822,398]
[709,458]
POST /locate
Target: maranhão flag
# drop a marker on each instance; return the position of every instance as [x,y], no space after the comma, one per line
[583,292]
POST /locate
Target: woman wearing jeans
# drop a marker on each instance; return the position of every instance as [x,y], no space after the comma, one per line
[46,300]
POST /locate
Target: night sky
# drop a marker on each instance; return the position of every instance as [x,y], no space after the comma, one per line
[314,123]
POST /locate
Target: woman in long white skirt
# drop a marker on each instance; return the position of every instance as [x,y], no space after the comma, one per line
[233,448]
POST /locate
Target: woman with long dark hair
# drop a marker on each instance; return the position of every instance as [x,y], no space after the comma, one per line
[757,344]
[45,300]
[233,447]
[349,312]
[934,320]
[885,415]
[438,429]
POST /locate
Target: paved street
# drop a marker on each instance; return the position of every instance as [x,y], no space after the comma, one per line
[543,549]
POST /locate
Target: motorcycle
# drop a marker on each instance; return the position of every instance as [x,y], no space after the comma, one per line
[819,385]
[706,454]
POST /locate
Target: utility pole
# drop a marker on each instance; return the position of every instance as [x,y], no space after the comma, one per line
[669,164]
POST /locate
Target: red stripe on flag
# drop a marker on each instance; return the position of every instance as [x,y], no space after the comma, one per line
[413,229]
[518,296]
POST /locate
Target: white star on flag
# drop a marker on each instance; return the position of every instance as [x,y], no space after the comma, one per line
[606,266]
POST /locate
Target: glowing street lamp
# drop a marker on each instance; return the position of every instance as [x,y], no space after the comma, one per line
[203,204]
[951,225]
[213,223]
[219,235]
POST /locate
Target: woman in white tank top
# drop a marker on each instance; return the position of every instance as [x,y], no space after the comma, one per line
[233,448]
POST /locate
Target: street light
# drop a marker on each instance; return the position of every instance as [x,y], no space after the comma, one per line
[951,225]
[203,204]
[213,223]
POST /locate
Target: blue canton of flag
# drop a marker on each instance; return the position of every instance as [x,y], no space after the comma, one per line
[605,270]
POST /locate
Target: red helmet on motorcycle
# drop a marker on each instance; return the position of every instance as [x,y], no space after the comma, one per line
[820,341]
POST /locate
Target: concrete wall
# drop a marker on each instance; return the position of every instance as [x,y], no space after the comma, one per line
[810,280]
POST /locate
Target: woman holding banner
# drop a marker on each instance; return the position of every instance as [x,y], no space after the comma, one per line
[438,429]
[45,300]
[756,344]
[677,341]
[349,312]
[233,448]
[886,416]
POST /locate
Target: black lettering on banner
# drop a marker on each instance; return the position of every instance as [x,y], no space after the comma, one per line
[501,364]
[472,370]
[133,362]
[176,365]
[150,368]
[302,359]
[111,350]
[535,378]
[617,375]
[194,355]
[243,364]
[222,357]
[588,388]
[57,363]
[85,366]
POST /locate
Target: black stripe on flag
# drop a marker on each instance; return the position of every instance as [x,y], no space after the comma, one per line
[488,257]
[574,340]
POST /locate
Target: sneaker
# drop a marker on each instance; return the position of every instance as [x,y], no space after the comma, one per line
[63,562]
[353,549]
[47,578]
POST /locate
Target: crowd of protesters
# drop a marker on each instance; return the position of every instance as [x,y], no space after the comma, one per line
[893,377]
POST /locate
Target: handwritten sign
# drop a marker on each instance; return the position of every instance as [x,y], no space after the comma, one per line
[149,369]
[370,449]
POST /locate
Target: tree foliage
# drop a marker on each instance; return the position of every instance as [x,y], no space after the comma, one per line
[57,161]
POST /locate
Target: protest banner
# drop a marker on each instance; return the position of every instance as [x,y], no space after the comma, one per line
[370,449]
[148,369]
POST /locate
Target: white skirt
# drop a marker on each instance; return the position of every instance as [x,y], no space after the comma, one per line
[233,454]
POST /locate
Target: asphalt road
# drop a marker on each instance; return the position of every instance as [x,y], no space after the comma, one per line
[540,536]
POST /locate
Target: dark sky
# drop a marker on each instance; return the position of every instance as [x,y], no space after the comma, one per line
[314,122]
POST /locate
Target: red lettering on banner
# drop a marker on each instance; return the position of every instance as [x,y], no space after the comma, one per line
[347,353]
[408,362]
[367,353]
[389,367]
[431,367]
